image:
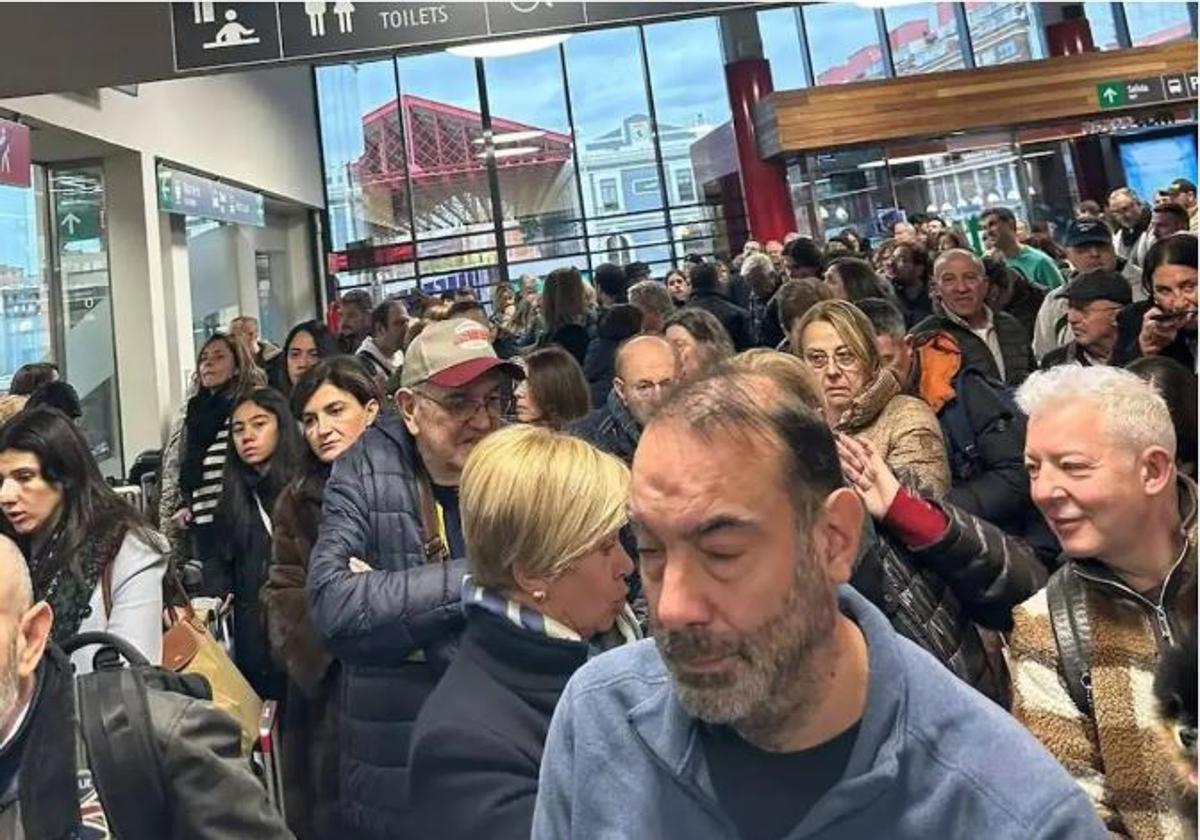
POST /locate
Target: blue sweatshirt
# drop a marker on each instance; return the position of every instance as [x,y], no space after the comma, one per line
[933,759]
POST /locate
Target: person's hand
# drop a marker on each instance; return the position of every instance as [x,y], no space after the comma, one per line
[182,517]
[1157,334]
[866,472]
[359,566]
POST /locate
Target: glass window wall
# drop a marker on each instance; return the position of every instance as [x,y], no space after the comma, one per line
[1157,23]
[1101,21]
[366,180]
[853,191]
[1003,33]
[535,163]
[843,40]
[781,47]
[687,77]
[924,38]
[25,306]
[616,146]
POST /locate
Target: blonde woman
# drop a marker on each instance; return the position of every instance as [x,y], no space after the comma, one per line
[541,513]
[863,397]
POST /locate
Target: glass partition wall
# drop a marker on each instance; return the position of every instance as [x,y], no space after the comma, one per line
[469,165]
[56,295]
[461,170]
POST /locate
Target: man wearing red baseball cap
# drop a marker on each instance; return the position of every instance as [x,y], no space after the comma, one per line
[385,575]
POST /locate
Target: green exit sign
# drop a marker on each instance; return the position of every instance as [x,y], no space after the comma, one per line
[1111,95]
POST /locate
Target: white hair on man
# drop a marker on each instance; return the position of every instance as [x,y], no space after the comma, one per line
[757,262]
[1133,411]
[956,254]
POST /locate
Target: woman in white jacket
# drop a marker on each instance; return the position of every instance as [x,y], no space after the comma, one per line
[93,557]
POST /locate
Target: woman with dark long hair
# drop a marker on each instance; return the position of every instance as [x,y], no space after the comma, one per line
[564,305]
[92,556]
[195,454]
[1165,323]
[307,344]
[853,279]
[554,391]
[334,402]
[267,453]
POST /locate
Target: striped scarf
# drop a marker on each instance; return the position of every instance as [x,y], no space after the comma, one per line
[625,629]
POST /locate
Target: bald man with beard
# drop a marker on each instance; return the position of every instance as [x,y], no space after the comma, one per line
[45,792]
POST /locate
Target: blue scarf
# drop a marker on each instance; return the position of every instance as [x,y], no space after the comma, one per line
[625,629]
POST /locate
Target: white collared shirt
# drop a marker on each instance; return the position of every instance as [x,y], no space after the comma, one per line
[987,334]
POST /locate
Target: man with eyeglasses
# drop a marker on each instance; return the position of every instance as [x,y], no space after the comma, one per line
[1089,247]
[1093,301]
[646,367]
[386,573]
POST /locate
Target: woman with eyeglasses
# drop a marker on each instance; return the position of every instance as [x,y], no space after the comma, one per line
[863,396]
[554,391]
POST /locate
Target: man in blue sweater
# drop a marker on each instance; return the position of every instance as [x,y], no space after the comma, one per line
[775,701]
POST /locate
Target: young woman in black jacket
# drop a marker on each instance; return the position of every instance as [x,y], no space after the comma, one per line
[193,463]
[306,345]
[267,453]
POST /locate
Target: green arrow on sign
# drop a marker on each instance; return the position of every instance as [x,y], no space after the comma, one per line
[1111,94]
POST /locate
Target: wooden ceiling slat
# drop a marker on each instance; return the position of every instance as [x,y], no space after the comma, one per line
[939,103]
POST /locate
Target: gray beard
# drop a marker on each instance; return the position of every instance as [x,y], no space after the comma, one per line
[778,676]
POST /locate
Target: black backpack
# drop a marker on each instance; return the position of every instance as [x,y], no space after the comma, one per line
[114,717]
[962,448]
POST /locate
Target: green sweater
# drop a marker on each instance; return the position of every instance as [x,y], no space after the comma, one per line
[1037,266]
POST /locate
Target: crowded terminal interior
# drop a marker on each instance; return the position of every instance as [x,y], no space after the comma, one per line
[577,420]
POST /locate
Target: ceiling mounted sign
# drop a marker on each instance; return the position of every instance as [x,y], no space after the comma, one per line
[193,195]
[206,35]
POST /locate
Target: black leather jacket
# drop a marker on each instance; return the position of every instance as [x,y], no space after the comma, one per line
[940,596]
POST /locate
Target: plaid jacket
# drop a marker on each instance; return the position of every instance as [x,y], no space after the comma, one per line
[1115,754]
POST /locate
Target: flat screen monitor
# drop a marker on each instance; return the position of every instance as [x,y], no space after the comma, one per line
[1153,161]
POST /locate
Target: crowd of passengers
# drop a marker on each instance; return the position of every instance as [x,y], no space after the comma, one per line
[840,540]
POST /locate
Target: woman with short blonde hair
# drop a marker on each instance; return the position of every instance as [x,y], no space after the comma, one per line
[786,371]
[541,512]
[533,503]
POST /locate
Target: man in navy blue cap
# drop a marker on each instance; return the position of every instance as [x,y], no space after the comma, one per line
[1093,301]
[1089,246]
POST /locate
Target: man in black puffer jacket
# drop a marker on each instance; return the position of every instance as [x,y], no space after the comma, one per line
[993,342]
[385,576]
